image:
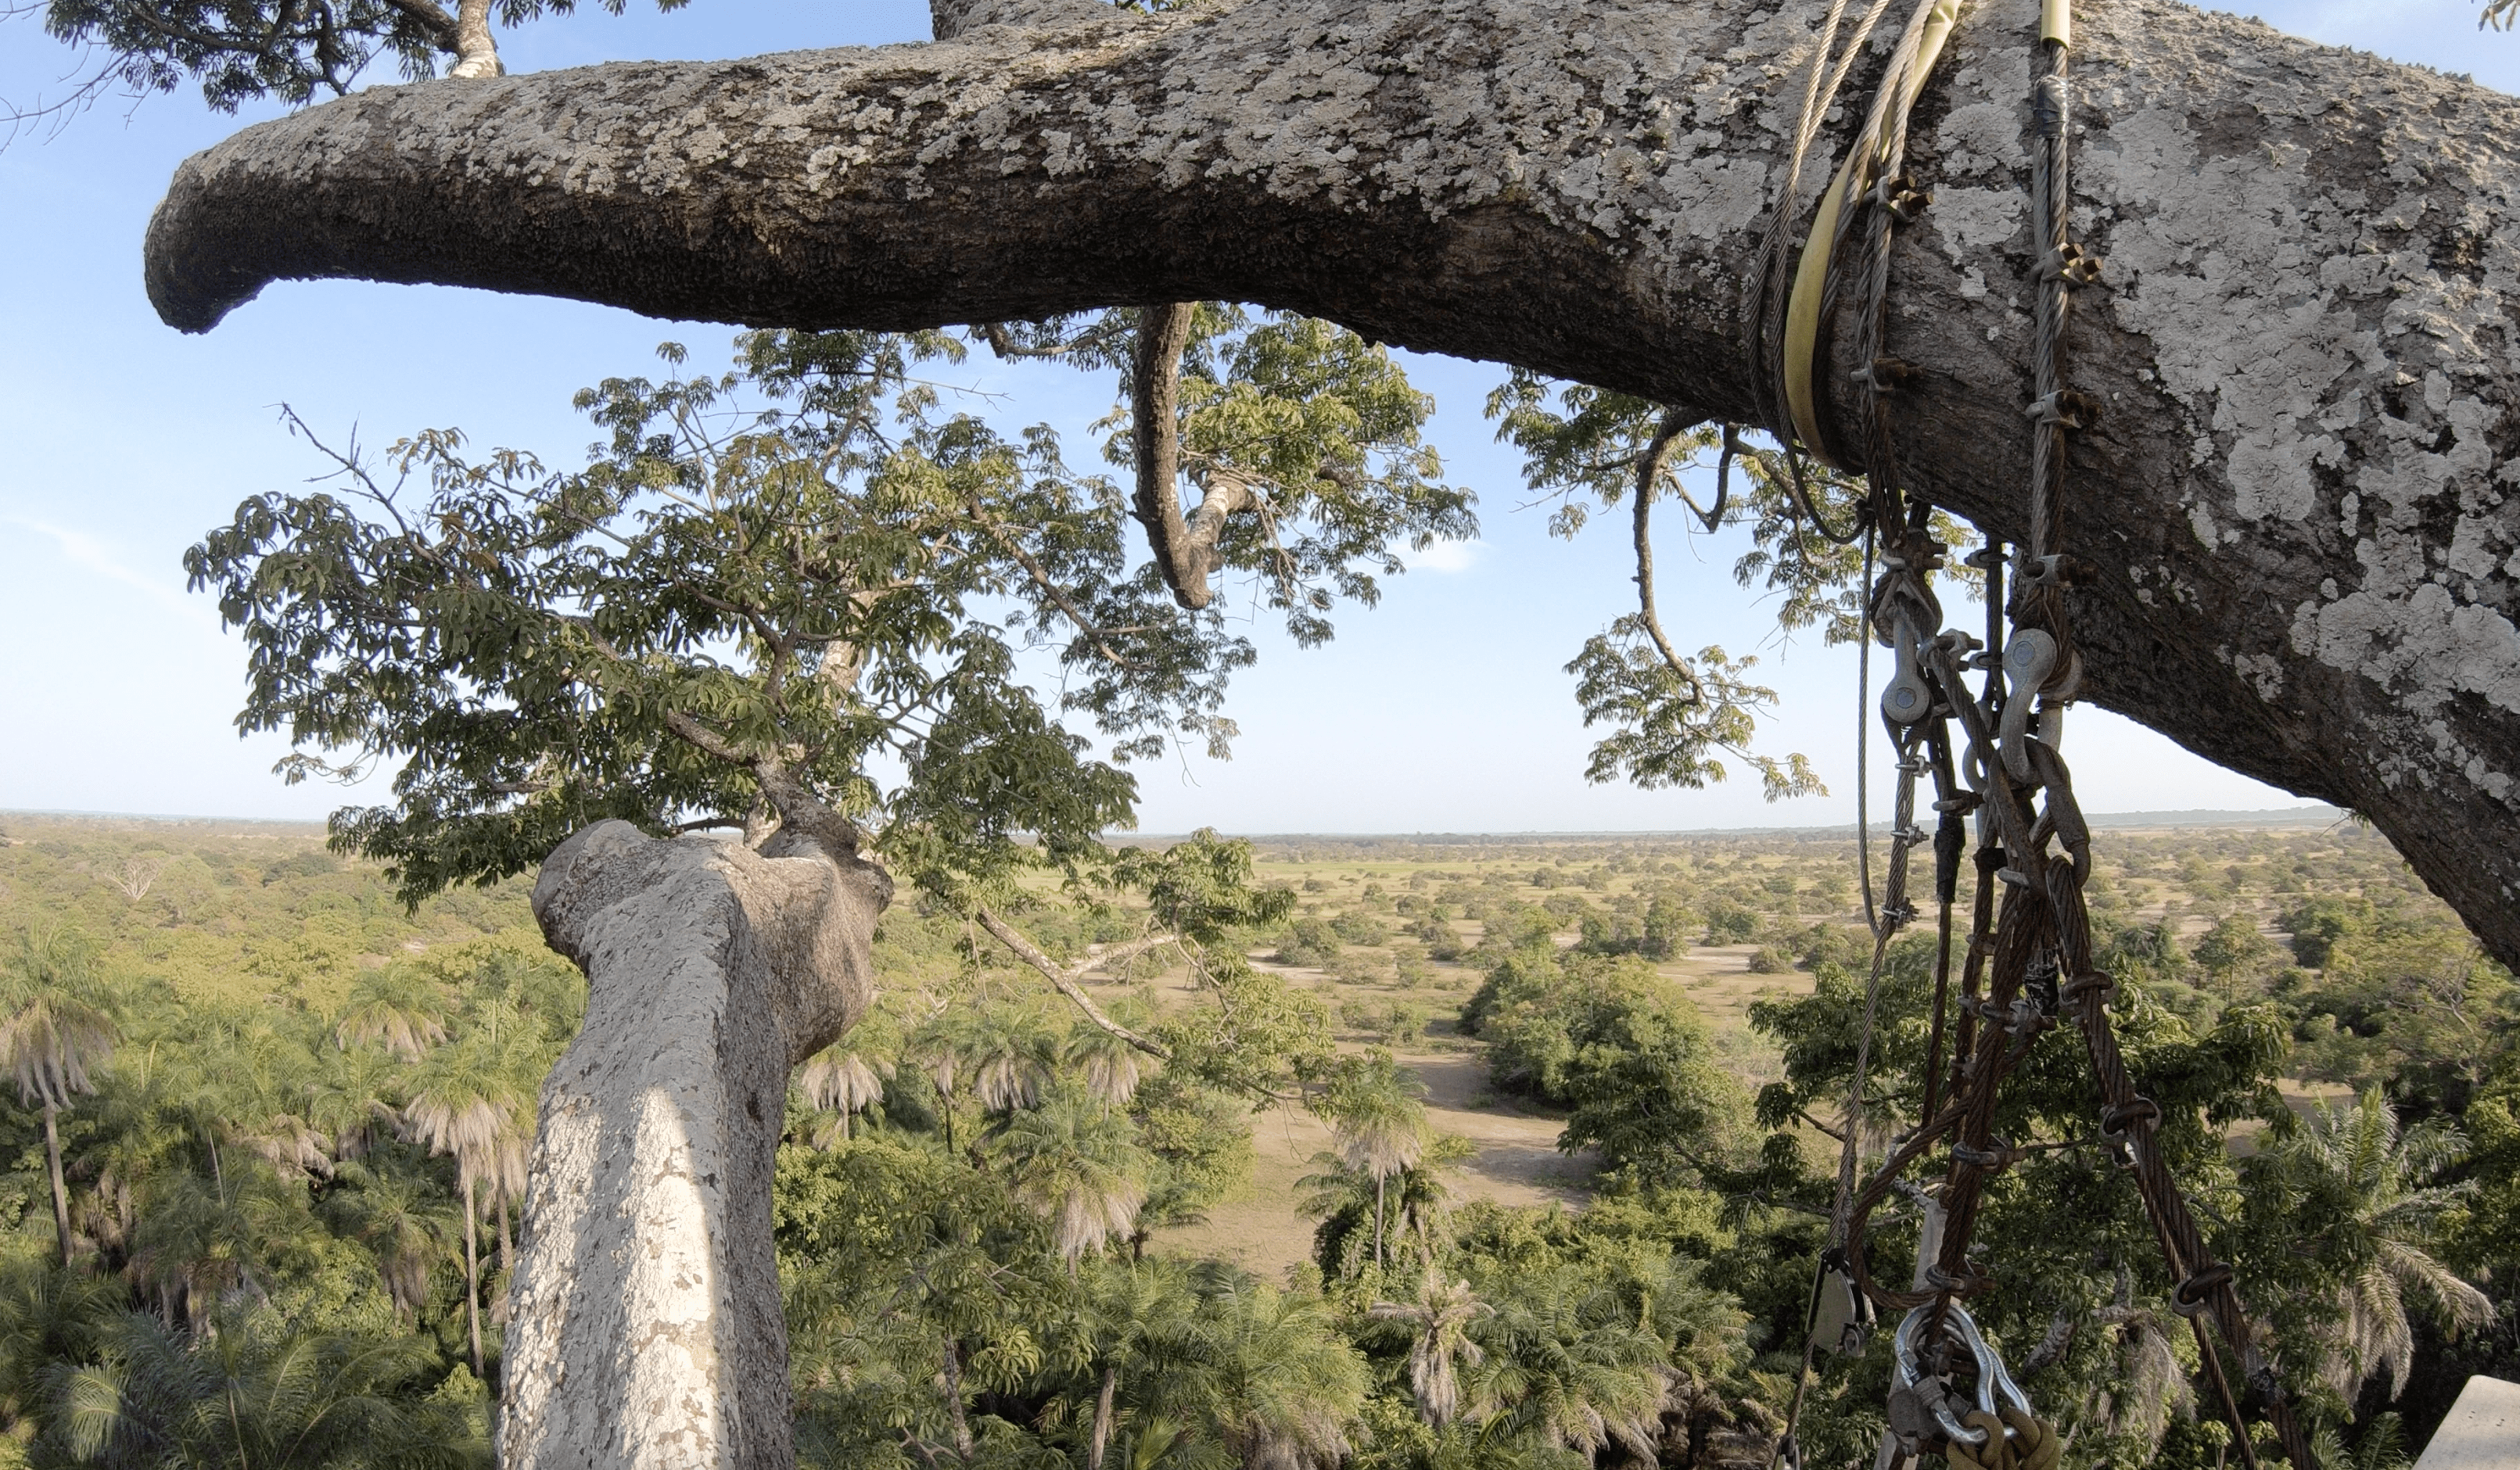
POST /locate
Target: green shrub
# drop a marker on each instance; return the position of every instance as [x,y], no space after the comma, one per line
[1309,942]
[1358,927]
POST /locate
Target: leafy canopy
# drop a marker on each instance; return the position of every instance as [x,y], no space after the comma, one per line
[808,574]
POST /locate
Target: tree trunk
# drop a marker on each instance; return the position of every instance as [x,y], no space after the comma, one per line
[505,1311]
[60,1195]
[1378,1221]
[477,51]
[1102,1415]
[645,1323]
[961,1421]
[2296,499]
[471,1274]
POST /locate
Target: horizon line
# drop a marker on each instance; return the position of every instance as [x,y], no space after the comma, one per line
[2308,813]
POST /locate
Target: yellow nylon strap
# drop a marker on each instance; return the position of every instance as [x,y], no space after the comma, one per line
[1811,273]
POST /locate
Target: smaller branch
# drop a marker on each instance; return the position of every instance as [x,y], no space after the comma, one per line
[437,23]
[1094,634]
[797,805]
[2051,1348]
[1761,1197]
[1030,953]
[1004,344]
[1649,469]
[1823,1127]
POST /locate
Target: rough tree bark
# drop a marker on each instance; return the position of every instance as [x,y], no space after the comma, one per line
[2297,497]
[647,1325]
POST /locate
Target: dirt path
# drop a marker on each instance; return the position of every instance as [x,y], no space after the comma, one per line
[1260,1228]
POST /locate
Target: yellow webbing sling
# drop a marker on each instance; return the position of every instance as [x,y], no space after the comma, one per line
[1811,273]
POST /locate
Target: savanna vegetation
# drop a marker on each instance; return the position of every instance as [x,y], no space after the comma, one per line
[290,1113]
[270,1114]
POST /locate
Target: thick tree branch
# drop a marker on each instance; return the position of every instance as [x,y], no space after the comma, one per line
[1185,549]
[1030,953]
[2052,1346]
[1651,465]
[2297,500]
[476,51]
[800,810]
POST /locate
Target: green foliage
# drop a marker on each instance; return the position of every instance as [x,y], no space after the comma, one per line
[1670,713]
[1620,1049]
[899,1259]
[258,1394]
[2356,1206]
[258,1148]
[1310,942]
[244,50]
[1261,1036]
[2415,1008]
[1731,922]
[800,573]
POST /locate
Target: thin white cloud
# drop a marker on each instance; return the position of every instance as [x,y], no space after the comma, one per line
[1446,557]
[85,551]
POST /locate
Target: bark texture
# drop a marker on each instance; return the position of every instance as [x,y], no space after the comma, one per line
[2297,498]
[646,1328]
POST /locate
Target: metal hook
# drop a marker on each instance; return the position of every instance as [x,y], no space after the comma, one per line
[1907,698]
[2027,660]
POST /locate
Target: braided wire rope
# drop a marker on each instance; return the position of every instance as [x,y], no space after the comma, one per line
[2031,950]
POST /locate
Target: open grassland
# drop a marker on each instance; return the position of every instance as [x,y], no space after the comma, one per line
[1394,935]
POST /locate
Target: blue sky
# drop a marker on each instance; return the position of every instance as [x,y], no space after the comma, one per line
[1446,709]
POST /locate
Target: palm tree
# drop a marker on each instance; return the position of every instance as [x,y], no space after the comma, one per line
[51,1034]
[2356,1170]
[466,1106]
[350,1100]
[202,1241]
[1567,1364]
[1014,1058]
[251,1399]
[1135,1311]
[1377,1124]
[2150,1383]
[1079,1165]
[1281,1385]
[943,1049]
[47,1312]
[398,1008]
[1439,1327]
[398,1215]
[846,1078]
[1109,1066]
